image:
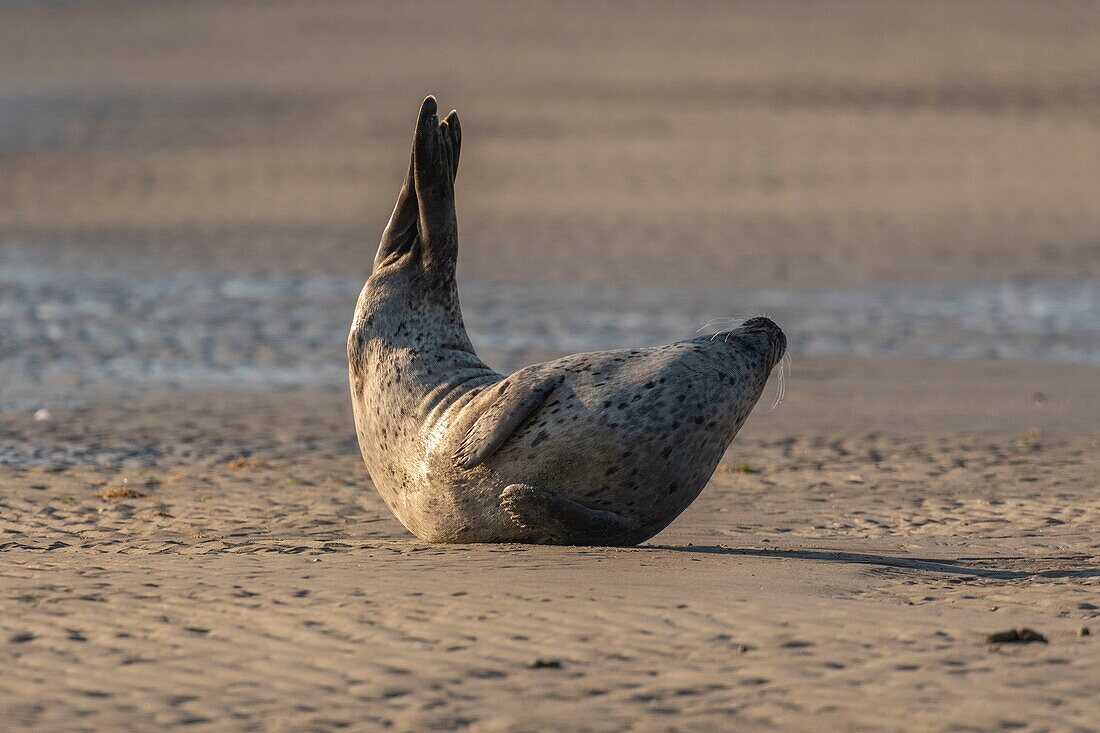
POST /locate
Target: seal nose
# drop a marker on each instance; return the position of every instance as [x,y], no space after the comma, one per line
[771,330]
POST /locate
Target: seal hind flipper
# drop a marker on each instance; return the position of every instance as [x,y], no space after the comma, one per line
[435,165]
[402,233]
[499,412]
[563,520]
[425,213]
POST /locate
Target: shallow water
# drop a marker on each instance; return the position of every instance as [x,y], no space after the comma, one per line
[66,335]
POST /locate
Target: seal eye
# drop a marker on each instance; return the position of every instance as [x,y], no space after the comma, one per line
[752,346]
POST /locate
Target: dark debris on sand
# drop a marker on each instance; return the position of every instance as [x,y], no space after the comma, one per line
[1016,636]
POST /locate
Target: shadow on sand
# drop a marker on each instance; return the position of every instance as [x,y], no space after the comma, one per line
[981,567]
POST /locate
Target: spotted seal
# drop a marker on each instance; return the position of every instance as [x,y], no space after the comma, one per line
[603,448]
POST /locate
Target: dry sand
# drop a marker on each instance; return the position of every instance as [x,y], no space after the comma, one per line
[176,557]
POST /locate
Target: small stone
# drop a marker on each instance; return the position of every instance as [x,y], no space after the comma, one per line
[1003,637]
[541,663]
[42,415]
[1083,631]
[1016,636]
[1029,635]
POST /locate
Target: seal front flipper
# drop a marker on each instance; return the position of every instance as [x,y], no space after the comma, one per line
[499,411]
[563,520]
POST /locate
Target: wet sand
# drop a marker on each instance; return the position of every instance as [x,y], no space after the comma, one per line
[190,192]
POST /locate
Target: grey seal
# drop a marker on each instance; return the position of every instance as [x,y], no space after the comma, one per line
[603,448]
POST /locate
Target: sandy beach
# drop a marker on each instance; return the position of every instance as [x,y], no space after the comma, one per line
[191,196]
[230,568]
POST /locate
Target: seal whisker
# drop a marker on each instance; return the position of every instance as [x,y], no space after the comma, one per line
[781,380]
[778,387]
[738,317]
[713,322]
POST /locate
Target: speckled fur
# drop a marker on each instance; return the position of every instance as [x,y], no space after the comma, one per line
[618,443]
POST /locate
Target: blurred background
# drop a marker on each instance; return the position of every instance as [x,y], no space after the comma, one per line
[191,193]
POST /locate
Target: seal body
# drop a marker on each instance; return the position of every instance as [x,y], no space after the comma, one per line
[602,448]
